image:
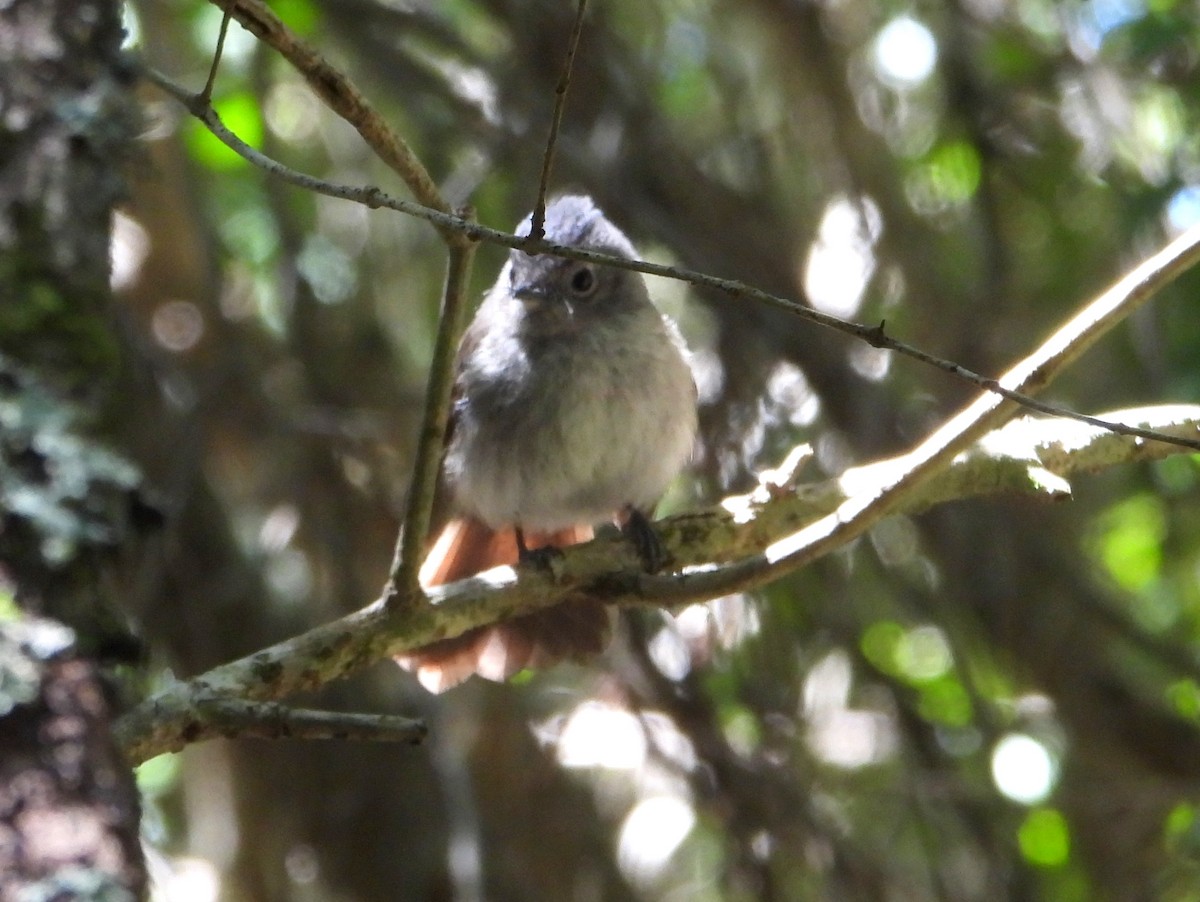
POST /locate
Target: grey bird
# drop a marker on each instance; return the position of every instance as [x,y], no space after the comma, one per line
[573,404]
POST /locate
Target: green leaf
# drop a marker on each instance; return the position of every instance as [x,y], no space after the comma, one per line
[1044,838]
[946,702]
[1130,544]
[302,16]
[240,114]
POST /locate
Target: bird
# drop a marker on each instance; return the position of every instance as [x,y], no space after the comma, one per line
[573,404]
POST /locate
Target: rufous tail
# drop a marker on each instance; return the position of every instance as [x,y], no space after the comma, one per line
[574,630]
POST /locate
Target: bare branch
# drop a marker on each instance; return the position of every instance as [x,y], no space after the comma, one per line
[1016,458]
[536,229]
[886,342]
[340,95]
[234,718]
[206,94]
[862,510]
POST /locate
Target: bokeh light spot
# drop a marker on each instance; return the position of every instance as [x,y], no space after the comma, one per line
[177,325]
[905,52]
[1023,769]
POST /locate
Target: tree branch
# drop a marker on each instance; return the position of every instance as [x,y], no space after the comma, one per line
[1030,456]
[233,718]
[340,95]
[862,509]
[411,542]
[1179,255]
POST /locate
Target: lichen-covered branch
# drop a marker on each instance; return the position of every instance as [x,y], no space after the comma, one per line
[237,718]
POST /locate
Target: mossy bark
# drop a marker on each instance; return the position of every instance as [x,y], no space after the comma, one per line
[66,501]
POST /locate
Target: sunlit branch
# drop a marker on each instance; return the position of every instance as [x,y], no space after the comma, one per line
[863,509]
[1029,456]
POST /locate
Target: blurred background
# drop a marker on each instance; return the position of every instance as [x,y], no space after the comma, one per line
[996,700]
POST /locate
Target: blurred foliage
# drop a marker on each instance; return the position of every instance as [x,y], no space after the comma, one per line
[969,172]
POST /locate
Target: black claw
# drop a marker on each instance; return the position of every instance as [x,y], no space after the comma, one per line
[542,558]
[640,531]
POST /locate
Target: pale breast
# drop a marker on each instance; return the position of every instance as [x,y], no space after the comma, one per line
[590,429]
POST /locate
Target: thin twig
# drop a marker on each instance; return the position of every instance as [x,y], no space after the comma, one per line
[206,94]
[881,340]
[537,227]
[1185,244]
[341,95]
[411,542]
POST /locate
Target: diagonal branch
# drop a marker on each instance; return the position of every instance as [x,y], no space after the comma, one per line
[340,95]
[1030,456]
[864,509]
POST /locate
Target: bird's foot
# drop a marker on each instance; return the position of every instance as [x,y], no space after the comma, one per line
[640,531]
[540,558]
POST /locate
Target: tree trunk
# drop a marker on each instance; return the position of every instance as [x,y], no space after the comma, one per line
[68,803]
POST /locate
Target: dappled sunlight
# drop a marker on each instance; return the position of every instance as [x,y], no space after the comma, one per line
[129,244]
[842,260]
[837,733]
[184,880]
[600,735]
[1024,769]
[718,625]
[651,833]
[650,754]
[905,52]
[178,325]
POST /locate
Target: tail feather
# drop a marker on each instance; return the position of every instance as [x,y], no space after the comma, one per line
[574,630]
[466,547]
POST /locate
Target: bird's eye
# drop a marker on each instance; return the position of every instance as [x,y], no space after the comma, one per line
[583,281]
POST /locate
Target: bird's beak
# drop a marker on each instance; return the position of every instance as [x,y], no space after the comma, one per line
[536,298]
[529,295]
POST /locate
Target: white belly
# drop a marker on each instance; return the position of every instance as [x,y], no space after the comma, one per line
[612,432]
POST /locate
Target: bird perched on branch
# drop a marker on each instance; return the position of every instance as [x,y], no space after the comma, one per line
[573,404]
